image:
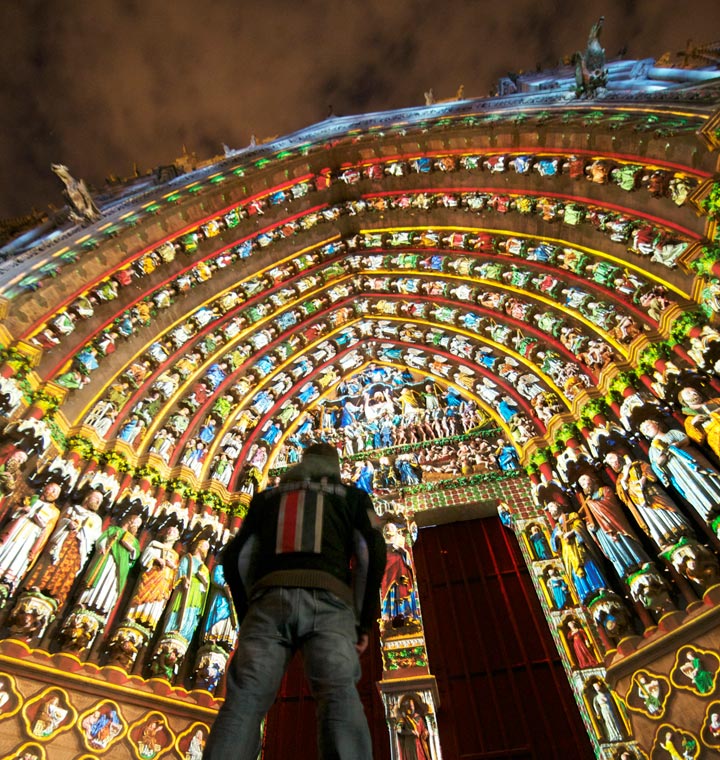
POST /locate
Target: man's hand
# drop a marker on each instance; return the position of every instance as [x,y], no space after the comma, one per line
[361,644]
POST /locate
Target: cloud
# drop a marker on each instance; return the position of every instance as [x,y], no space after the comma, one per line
[103,85]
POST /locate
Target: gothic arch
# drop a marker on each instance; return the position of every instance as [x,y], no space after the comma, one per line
[549,263]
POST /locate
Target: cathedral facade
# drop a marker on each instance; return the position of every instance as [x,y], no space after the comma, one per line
[501,308]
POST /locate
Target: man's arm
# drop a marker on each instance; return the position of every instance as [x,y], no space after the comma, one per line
[230,560]
[373,546]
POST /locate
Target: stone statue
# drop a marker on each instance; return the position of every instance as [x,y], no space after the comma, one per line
[399,605]
[125,644]
[590,71]
[557,588]
[168,656]
[580,645]
[25,535]
[79,631]
[679,464]
[221,624]
[412,729]
[607,714]
[11,472]
[159,565]
[702,422]
[210,667]
[572,541]
[191,587]
[610,527]
[30,617]
[694,562]
[69,546]
[82,206]
[116,552]
[638,487]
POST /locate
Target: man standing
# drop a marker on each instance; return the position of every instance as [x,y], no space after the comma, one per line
[289,570]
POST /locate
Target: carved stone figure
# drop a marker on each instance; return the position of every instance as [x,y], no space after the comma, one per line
[116,551]
[125,645]
[67,550]
[702,423]
[412,729]
[188,599]
[571,540]
[221,625]
[679,464]
[650,691]
[399,605]
[196,746]
[638,487]
[694,562]
[159,564]
[607,714]
[648,587]
[25,535]
[49,717]
[30,616]
[580,645]
[210,667]
[558,589]
[168,656]
[610,527]
[151,738]
[590,71]
[102,726]
[79,631]
[11,472]
[693,668]
[82,206]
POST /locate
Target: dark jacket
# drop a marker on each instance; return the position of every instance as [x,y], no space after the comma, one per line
[312,531]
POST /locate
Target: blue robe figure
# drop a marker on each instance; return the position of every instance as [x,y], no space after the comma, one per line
[558,589]
[305,427]
[349,413]
[452,397]
[507,408]
[87,358]
[408,475]
[365,477]
[572,542]
[272,434]
[215,374]
[307,393]
[130,430]
[538,542]
[507,458]
[221,624]
[208,431]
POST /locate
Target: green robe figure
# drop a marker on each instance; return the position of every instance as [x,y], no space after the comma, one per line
[693,668]
[191,587]
[116,551]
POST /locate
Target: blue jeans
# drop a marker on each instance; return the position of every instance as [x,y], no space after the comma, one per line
[280,621]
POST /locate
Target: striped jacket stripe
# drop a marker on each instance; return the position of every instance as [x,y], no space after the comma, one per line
[300,519]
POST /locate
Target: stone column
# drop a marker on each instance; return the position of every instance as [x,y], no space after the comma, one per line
[408,689]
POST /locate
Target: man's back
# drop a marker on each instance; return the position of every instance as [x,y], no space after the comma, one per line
[289,569]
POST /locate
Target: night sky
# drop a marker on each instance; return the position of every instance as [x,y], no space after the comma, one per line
[102,85]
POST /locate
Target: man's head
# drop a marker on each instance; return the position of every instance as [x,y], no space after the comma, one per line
[320,460]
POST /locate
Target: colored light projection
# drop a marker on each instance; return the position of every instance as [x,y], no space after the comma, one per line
[447,318]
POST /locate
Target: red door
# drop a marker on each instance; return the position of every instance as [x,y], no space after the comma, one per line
[502,688]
